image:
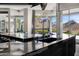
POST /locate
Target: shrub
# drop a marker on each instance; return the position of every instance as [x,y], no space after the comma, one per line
[41,31]
[67,32]
[78,33]
[54,30]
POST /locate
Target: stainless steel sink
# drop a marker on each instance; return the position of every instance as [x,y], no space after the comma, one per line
[47,40]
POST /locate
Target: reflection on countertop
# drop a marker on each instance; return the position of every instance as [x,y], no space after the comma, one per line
[18,48]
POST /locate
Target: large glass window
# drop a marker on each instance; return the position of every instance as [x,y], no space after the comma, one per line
[3,23]
[4,29]
[53,21]
[70,20]
[45,23]
[42,23]
[17,22]
[66,22]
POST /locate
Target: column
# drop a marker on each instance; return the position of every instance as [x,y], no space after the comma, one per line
[33,28]
[28,22]
[28,28]
[9,21]
[59,21]
[50,25]
[9,28]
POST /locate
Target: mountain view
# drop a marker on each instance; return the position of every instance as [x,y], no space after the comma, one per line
[72,25]
[69,26]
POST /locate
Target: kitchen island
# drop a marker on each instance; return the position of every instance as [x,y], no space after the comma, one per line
[35,46]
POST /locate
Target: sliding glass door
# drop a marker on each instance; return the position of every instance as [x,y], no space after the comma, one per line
[70,20]
[16,22]
[4,30]
[3,21]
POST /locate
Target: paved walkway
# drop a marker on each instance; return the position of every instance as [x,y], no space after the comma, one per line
[77,50]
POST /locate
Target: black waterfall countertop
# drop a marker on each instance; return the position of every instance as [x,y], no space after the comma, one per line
[40,43]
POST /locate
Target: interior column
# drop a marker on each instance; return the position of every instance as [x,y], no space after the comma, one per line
[50,25]
[59,21]
[28,28]
[28,22]
[9,17]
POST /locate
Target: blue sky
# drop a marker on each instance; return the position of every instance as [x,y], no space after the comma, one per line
[65,18]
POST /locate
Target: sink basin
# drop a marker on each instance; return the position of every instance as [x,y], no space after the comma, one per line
[48,40]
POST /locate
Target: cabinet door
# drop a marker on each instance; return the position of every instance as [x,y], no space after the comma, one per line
[55,49]
[69,47]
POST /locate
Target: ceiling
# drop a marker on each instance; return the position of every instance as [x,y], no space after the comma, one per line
[21,5]
[50,7]
[37,6]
